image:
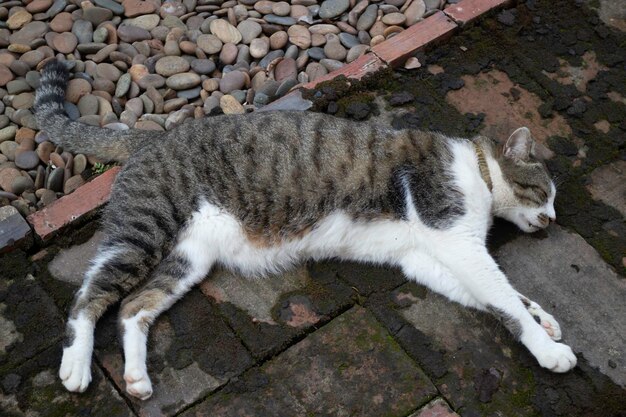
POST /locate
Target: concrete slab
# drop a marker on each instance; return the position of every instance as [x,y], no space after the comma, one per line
[350,367]
[33,389]
[191,352]
[571,281]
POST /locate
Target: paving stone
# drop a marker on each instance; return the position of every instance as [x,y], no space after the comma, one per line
[71,264]
[436,408]
[191,352]
[268,313]
[29,320]
[14,231]
[608,185]
[570,280]
[349,367]
[365,279]
[34,389]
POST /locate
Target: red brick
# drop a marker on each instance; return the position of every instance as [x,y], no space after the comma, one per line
[357,69]
[64,211]
[467,11]
[396,50]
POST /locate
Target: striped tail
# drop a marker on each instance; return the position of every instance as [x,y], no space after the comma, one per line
[104,144]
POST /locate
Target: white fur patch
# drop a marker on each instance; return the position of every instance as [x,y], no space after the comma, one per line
[75,370]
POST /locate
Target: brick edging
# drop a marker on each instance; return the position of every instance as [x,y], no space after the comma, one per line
[390,53]
[70,208]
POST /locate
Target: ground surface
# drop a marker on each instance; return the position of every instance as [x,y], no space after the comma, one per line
[352,340]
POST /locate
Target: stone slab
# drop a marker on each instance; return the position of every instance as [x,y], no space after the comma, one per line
[71,264]
[436,408]
[570,280]
[608,184]
[34,389]
[349,367]
[467,11]
[13,229]
[29,319]
[268,313]
[479,368]
[191,352]
[66,210]
[396,50]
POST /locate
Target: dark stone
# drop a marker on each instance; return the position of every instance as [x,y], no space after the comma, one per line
[506,17]
[577,108]
[403,97]
[358,111]
[332,107]
[487,384]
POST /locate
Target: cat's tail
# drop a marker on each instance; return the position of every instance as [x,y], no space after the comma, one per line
[104,144]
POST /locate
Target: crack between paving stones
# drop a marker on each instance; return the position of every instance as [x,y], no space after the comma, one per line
[109,378]
[294,341]
[37,353]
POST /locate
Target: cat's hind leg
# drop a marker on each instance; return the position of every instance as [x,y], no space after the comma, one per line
[115,271]
[179,271]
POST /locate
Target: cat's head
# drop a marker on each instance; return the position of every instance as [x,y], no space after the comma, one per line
[526,196]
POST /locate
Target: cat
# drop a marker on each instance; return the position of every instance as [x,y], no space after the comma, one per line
[260,192]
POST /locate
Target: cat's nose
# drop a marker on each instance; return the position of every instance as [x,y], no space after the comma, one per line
[552,219]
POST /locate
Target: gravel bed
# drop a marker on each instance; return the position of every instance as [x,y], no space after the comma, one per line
[152,64]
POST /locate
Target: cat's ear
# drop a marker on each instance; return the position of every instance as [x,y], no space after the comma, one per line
[519,144]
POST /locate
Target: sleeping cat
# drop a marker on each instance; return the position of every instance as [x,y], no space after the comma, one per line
[261,192]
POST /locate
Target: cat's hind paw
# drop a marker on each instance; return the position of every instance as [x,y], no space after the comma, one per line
[546,320]
[556,357]
[138,383]
[75,370]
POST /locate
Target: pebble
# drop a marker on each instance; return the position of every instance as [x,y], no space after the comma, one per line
[333,48]
[183,81]
[21,184]
[249,30]
[38,6]
[230,105]
[73,183]
[394,19]
[7,175]
[356,51]
[210,44]
[27,160]
[132,34]
[259,47]
[19,19]
[134,8]
[7,133]
[415,12]
[97,15]
[367,19]
[286,69]
[55,180]
[203,66]
[123,85]
[61,23]
[111,5]
[171,65]
[299,36]
[333,8]
[348,40]
[233,80]
[280,20]
[226,32]
[278,40]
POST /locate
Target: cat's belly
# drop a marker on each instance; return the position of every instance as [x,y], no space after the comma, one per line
[221,236]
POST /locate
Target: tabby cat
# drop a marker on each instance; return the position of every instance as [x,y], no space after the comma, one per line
[258,193]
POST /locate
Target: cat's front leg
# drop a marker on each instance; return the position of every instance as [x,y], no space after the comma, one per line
[547,321]
[470,262]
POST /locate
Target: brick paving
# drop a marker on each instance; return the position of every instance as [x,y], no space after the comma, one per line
[342,339]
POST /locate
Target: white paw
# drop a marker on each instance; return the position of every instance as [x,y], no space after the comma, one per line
[547,321]
[75,370]
[138,383]
[556,357]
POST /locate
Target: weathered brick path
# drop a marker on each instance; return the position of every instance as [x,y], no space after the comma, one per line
[339,339]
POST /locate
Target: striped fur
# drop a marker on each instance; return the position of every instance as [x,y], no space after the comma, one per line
[260,192]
